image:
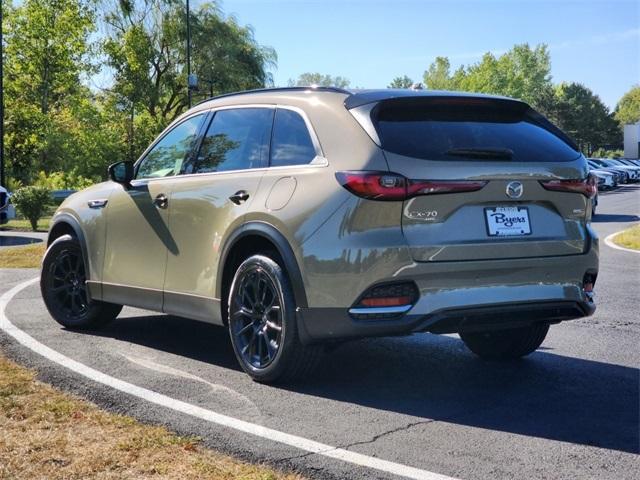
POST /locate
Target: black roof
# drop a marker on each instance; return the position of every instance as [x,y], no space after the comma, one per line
[362,97]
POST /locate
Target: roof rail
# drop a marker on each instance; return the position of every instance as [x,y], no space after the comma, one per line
[277,89]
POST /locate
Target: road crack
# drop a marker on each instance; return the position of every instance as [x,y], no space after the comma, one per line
[374,439]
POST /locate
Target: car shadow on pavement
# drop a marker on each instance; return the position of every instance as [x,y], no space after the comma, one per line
[179,336]
[545,395]
[610,218]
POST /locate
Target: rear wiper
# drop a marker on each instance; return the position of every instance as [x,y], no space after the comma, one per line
[497,153]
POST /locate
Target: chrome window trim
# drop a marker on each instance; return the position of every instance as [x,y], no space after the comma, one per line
[318,162]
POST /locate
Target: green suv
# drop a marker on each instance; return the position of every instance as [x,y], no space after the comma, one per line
[298,217]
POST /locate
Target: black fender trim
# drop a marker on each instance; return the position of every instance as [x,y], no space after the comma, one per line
[77,230]
[285,251]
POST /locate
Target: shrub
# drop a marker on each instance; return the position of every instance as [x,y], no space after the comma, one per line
[604,153]
[32,203]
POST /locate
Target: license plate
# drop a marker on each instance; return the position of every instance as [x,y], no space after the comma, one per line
[507,221]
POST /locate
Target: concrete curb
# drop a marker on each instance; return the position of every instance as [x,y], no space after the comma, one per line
[609,242]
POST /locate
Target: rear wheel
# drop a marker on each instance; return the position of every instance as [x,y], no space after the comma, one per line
[262,324]
[506,344]
[64,289]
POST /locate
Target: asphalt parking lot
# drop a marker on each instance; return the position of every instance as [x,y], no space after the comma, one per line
[570,410]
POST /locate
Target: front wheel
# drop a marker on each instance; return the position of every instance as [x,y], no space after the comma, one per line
[64,290]
[506,344]
[262,324]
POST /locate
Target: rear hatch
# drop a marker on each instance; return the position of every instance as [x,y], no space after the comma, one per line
[487,178]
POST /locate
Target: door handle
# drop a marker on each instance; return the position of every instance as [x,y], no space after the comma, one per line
[161,201]
[239,197]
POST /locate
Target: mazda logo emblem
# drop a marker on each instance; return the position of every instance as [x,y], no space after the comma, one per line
[514,190]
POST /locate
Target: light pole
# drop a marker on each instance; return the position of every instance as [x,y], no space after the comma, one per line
[188,54]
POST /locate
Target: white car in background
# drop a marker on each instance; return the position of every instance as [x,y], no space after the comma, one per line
[7,211]
[606,180]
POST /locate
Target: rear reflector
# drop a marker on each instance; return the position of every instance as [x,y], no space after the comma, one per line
[387,186]
[385,301]
[587,187]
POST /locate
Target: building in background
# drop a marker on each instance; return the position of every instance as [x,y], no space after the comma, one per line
[632,140]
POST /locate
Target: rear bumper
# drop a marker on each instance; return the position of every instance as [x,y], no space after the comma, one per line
[467,296]
[323,324]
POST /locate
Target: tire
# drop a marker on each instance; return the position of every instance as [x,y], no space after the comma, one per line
[63,287]
[506,344]
[262,324]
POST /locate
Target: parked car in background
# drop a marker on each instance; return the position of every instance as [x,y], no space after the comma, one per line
[300,216]
[59,196]
[634,172]
[606,180]
[629,161]
[7,211]
[623,175]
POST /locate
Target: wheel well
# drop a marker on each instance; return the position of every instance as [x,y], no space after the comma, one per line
[58,230]
[244,248]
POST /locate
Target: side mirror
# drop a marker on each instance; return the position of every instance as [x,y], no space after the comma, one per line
[121,172]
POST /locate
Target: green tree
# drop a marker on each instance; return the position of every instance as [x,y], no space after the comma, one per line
[401,82]
[308,79]
[628,109]
[438,75]
[582,115]
[47,47]
[522,72]
[145,50]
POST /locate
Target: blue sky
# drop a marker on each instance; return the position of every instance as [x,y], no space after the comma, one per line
[596,43]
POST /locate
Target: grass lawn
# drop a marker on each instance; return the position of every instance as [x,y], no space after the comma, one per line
[28,256]
[630,238]
[23,225]
[53,435]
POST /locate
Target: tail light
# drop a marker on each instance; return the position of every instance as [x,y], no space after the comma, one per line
[587,187]
[392,186]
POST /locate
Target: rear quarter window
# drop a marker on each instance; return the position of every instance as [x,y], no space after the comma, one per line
[291,142]
[443,132]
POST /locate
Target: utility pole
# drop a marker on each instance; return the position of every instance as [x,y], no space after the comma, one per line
[188,54]
[2,177]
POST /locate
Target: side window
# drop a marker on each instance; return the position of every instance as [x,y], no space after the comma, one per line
[167,156]
[237,139]
[291,143]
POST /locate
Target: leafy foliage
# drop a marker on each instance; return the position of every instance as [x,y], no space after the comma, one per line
[628,109]
[604,153]
[55,122]
[523,72]
[308,79]
[62,181]
[401,82]
[32,202]
[145,50]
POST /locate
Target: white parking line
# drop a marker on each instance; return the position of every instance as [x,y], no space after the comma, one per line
[199,412]
[610,243]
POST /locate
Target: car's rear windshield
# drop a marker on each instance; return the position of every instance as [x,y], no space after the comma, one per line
[450,130]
